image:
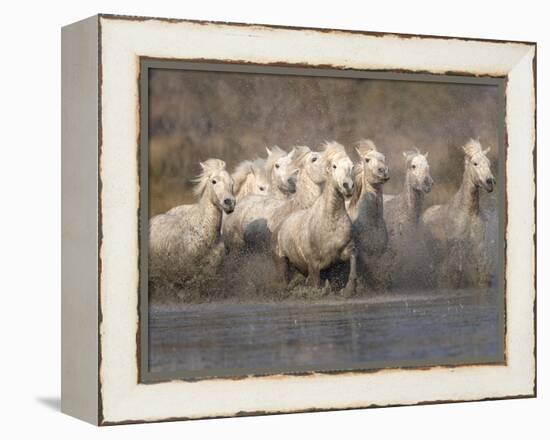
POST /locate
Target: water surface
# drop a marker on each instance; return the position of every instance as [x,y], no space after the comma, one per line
[391,330]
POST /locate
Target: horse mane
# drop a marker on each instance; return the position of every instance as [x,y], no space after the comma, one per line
[209,167]
[411,154]
[301,152]
[357,183]
[365,146]
[241,172]
[473,146]
[332,150]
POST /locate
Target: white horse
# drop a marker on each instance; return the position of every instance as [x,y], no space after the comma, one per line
[311,177]
[456,231]
[184,242]
[309,185]
[250,177]
[402,214]
[250,216]
[366,209]
[313,239]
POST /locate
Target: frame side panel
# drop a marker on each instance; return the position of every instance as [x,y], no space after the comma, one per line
[79,201]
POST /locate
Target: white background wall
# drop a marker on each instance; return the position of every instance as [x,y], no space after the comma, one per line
[30,217]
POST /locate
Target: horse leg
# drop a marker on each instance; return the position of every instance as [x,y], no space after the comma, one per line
[351,285]
[379,273]
[295,280]
[436,255]
[350,254]
[314,275]
[448,272]
[281,264]
[484,275]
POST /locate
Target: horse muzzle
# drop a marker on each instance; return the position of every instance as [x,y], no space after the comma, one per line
[383,175]
[428,185]
[290,186]
[489,184]
[347,189]
[228,205]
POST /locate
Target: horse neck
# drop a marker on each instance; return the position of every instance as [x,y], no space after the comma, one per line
[333,205]
[371,202]
[210,218]
[413,200]
[246,187]
[307,191]
[467,197]
[243,191]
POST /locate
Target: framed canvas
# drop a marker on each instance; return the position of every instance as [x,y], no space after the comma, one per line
[263,219]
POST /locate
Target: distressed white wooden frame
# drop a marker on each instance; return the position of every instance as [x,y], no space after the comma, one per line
[122,42]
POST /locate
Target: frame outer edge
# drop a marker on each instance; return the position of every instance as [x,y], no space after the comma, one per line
[142,18]
[535,207]
[98,260]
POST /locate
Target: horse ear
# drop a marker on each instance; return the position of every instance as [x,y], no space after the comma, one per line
[486,151]
[292,153]
[203,166]
[426,154]
[269,153]
[358,152]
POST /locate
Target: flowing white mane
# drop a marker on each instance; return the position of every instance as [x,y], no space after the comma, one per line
[472,147]
[411,154]
[301,152]
[333,150]
[243,170]
[363,148]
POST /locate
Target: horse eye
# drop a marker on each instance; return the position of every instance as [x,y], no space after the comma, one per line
[475,164]
[367,160]
[334,166]
[414,167]
[213,182]
[314,159]
[262,188]
[277,165]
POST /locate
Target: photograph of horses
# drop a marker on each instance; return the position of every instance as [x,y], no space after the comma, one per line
[298,222]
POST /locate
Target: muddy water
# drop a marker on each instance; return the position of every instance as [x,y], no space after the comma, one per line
[401,329]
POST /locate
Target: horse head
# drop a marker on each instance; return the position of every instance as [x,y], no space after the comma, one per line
[373,163]
[339,168]
[478,166]
[418,171]
[280,166]
[215,183]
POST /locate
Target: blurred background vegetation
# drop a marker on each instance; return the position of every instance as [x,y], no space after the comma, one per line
[233,116]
